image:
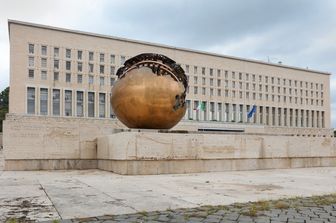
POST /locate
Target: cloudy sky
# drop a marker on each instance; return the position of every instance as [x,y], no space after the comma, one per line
[297,32]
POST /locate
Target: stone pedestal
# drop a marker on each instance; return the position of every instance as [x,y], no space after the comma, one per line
[148,152]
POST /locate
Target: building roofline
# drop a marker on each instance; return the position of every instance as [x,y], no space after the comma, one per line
[10,21]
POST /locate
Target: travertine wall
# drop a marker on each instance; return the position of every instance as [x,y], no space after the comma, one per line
[40,142]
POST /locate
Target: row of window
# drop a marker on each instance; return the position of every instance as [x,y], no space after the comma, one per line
[258,96]
[266,115]
[69,54]
[68,66]
[261,87]
[69,77]
[74,103]
[255,77]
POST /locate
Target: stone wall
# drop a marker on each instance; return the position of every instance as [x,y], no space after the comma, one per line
[42,142]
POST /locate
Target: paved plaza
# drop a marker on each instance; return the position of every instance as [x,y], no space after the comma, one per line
[50,195]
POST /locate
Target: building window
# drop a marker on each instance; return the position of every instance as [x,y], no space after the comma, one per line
[31,48]
[101,58]
[203,90]
[68,65]
[112,70]
[203,80]
[56,102]
[80,66]
[203,70]
[67,77]
[30,61]
[56,52]
[101,69]
[90,67]
[102,105]
[195,90]
[91,79]
[56,76]
[112,81]
[195,69]
[218,83]
[101,81]
[68,53]
[43,101]
[79,78]
[44,50]
[187,68]
[211,81]
[195,80]
[112,58]
[211,92]
[31,74]
[31,100]
[56,64]
[91,103]
[211,72]
[122,59]
[240,76]
[79,55]
[44,75]
[44,62]
[219,92]
[90,56]
[218,73]
[68,103]
[79,104]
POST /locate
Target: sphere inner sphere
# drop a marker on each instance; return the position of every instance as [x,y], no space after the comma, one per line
[150,92]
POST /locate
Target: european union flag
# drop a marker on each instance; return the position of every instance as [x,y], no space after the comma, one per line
[251,113]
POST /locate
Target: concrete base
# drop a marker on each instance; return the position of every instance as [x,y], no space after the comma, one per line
[162,153]
[35,164]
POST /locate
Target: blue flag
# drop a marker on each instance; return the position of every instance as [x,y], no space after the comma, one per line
[252,111]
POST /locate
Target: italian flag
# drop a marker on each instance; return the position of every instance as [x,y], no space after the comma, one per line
[200,107]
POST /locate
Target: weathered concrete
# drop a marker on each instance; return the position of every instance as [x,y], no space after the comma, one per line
[76,194]
[161,153]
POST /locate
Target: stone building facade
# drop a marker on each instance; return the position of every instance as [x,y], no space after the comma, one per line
[60,72]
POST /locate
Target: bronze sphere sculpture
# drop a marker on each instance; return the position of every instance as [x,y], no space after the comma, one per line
[150,92]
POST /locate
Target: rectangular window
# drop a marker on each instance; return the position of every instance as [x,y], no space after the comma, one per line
[44,75]
[101,57]
[187,68]
[101,81]
[101,69]
[56,102]
[218,83]
[203,90]
[195,80]
[211,72]
[68,103]
[211,81]
[79,104]
[31,48]
[44,62]
[90,67]
[112,59]
[203,70]
[90,56]
[219,92]
[67,77]
[31,100]
[68,53]
[112,81]
[195,90]
[91,79]
[56,64]
[112,70]
[56,52]
[30,61]
[102,105]
[80,66]
[43,101]
[79,55]
[44,50]
[195,69]
[91,103]
[56,76]
[79,78]
[31,74]
[122,59]
[68,65]
[218,73]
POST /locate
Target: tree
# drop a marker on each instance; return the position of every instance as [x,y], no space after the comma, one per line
[3,105]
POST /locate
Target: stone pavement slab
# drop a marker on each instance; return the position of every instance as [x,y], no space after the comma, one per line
[91,193]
